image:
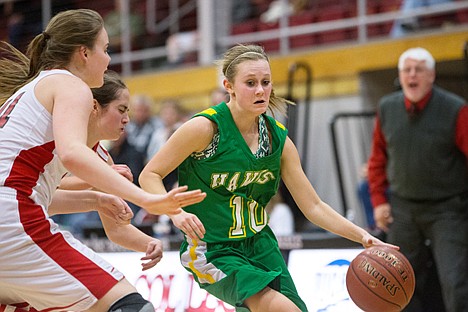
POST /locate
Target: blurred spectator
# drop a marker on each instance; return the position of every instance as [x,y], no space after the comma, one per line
[260,6]
[62,5]
[178,45]
[242,10]
[281,220]
[23,22]
[123,152]
[219,95]
[279,8]
[418,179]
[364,197]
[182,44]
[143,124]
[172,116]
[113,24]
[405,26]
[24,19]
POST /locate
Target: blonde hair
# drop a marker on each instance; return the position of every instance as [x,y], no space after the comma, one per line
[241,53]
[53,48]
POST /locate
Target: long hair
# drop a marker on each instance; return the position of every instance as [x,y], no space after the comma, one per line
[110,90]
[241,53]
[53,48]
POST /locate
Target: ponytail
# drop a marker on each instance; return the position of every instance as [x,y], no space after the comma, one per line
[35,50]
[65,34]
[14,70]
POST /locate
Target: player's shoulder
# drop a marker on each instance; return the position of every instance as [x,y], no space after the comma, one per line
[62,81]
[197,133]
[199,125]
[61,85]
[275,122]
[211,111]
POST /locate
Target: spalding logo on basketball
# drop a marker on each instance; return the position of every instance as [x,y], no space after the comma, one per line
[380,279]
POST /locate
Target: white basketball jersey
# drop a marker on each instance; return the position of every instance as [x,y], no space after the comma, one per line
[40,265]
[28,162]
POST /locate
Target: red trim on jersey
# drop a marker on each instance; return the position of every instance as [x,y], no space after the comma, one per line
[18,307]
[26,307]
[23,177]
[65,308]
[27,167]
[101,151]
[7,108]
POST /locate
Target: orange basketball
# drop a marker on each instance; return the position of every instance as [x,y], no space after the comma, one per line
[380,279]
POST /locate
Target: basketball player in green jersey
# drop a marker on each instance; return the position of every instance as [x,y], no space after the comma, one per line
[237,155]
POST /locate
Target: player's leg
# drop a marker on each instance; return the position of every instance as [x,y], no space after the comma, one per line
[123,297]
[132,303]
[281,294]
[64,273]
[270,300]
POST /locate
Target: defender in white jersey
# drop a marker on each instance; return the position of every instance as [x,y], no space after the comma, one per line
[107,122]
[45,107]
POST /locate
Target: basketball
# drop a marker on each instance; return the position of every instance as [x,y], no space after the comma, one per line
[380,279]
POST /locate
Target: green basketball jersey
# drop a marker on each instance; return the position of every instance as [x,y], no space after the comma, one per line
[237,184]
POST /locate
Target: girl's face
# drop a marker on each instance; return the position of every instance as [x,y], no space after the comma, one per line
[98,60]
[252,86]
[113,118]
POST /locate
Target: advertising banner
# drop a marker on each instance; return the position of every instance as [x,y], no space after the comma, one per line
[319,275]
[320,278]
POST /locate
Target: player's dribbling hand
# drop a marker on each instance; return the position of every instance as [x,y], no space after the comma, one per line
[154,253]
[369,241]
[115,208]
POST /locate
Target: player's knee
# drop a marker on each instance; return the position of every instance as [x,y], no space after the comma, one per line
[133,302]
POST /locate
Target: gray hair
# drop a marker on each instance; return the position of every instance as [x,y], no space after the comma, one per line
[418,54]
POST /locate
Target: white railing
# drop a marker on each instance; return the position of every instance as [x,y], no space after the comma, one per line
[207,44]
[211,41]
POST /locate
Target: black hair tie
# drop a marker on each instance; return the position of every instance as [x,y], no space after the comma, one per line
[45,37]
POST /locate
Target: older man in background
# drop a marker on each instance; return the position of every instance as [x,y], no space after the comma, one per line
[420,154]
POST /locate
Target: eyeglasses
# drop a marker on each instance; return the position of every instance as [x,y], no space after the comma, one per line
[417,70]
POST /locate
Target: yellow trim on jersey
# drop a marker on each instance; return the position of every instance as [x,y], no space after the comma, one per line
[279,124]
[209,111]
[193,256]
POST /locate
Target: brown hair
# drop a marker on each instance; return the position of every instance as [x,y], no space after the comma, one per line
[241,53]
[53,48]
[110,90]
